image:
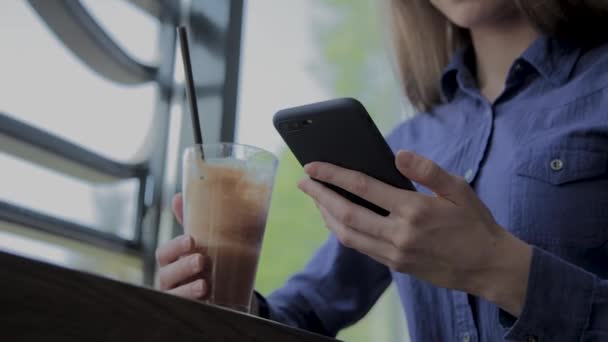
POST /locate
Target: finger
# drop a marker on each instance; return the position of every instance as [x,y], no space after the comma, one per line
[348,213]
[179,271]
[178,207]
[354,239]
[355,182]
[430,175]
[174,249]
[194,290]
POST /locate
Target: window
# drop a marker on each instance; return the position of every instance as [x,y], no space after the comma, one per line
[301,52]
[91,124]
[61,122]
[45,85]
[28,185]
[133,29]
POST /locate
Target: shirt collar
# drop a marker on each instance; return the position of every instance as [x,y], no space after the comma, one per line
[552,58]
[458,64]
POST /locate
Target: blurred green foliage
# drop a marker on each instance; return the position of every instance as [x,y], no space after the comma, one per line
[355,49]
[294,230]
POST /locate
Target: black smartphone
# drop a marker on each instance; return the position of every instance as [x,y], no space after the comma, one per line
[341,132]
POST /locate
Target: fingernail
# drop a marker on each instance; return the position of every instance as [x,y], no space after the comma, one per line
[197,288]
[301,185]
[404,159]
[196,264]
[309,169]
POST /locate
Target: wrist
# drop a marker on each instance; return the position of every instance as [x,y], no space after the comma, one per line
[506,281]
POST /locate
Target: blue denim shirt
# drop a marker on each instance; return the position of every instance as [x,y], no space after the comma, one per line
[538,158]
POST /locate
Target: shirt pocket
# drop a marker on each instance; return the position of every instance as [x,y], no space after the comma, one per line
[559,197]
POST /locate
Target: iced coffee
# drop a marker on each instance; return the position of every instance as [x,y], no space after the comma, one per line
[227,189]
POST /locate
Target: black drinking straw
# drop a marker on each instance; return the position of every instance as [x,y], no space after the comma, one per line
[190,91]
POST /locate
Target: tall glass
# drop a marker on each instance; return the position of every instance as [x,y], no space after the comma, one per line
[226,200]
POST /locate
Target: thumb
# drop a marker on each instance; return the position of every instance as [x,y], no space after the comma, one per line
[428,174]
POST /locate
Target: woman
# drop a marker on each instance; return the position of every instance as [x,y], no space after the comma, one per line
[506,238]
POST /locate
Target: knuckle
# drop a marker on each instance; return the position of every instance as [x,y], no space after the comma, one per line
[184,243]
[197,263]
[403,242]
[394,260]
[361,183]
[414,219]
[417,215]
[347,241]
[377,231]
[325,215]
[344,237]
[196,289]
[401,262]
[318,171]
[348,216]
[428,170]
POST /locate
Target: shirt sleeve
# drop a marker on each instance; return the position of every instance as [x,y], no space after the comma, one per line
[337,288]
[563,303]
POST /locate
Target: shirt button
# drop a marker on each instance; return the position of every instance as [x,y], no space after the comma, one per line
[468,175]
[466,338]
[557,164]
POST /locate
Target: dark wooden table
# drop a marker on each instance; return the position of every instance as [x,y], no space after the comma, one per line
[43,302]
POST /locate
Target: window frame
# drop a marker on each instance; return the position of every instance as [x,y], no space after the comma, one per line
[39,146]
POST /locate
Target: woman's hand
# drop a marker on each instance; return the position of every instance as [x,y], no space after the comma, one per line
[450,240]
[180,265]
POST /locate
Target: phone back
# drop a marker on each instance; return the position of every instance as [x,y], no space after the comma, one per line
[340,132]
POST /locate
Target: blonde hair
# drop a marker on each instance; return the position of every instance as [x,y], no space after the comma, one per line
[425,40]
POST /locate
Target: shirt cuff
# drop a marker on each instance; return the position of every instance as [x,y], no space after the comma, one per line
[558,302]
